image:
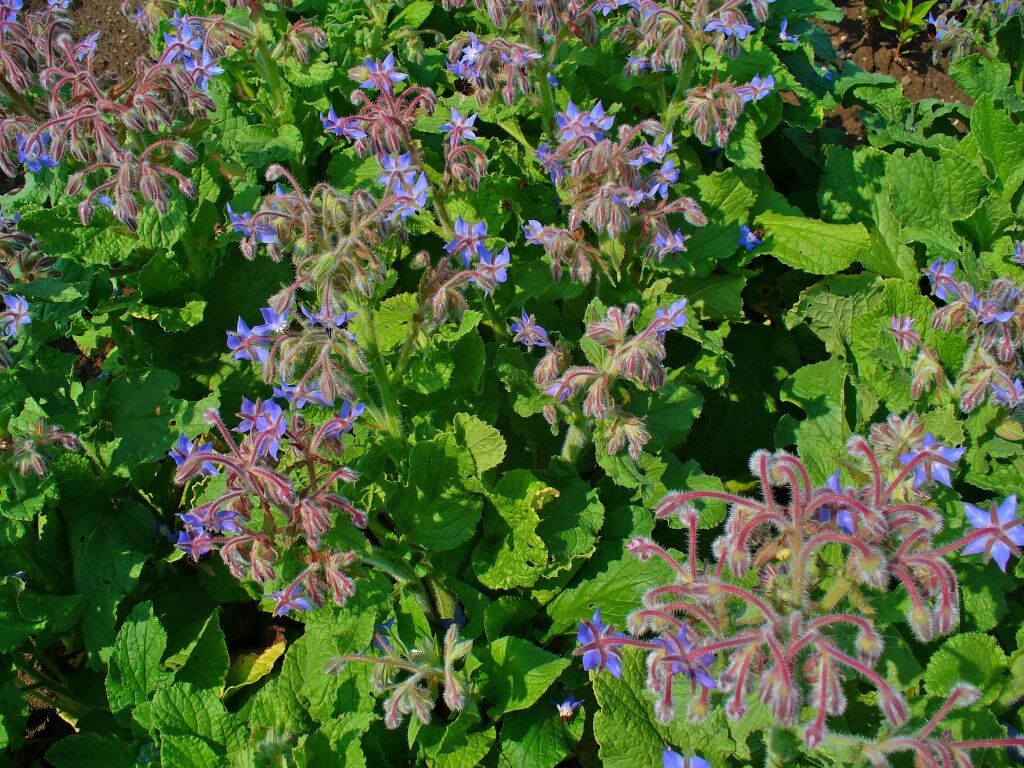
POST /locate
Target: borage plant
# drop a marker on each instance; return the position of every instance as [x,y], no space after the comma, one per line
[376,331]
[764,619]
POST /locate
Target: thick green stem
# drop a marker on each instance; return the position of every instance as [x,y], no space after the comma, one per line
[407,347]
[573,443]
[437,197]
[396,572]
[500,326]
[837,592]
[392,410]
[442,211]
[51,691]
[541,69]
[19,100]
[266,63]
[682,86]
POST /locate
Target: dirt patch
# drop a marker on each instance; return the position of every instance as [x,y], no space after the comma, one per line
[120,43]
[860,39]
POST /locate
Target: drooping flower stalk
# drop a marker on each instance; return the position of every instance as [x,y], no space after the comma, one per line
[783,639]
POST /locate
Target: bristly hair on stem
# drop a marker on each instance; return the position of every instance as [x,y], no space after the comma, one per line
[782,638]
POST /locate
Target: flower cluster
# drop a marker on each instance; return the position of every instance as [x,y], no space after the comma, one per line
[467,261]
[962,27]
[26,449]
[122,132]
[463,163]
[20,257]
[619,187]
[424,669]
[715,109]
[206,39]
[313,348]
[664,33]
[623,357]
[276,502]
[545,18]
[14,315]
[386,116]
[993,322]
[497,66]
[783,637]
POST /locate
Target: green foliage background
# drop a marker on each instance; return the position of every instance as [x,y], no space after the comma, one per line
[159,661]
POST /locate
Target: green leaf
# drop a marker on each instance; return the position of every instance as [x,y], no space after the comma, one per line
[139,418]
[920,200]
[181,710]
[1001,142]
[669,412]
[455,746]
[830,307]
[435,510]
[135,670]
[818,389]
[248,668]
[571,523]
[312,74]
[538,737]
[91,750]
[107,556]
[512,554]
[813,245]
[205,660]
[160,231]
[13,710]
[726,198]
[413,15]
[616,589]
[26,613]
[515,673]
[59,232]
[971,658]
[628,734]
[450,349]
[187,752]
[881,366]
[744,147]
[261,145]
[978,75]
[301,694]
[484,442]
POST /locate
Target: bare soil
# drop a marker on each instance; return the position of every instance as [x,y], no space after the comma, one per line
[860,39]
[120,43]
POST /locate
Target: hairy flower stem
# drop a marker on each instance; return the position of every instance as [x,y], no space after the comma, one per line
[407,347]
[685,75]
[541,69]
[392,410]
[838,591]
[266,63]
[19,100]
[437,197]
